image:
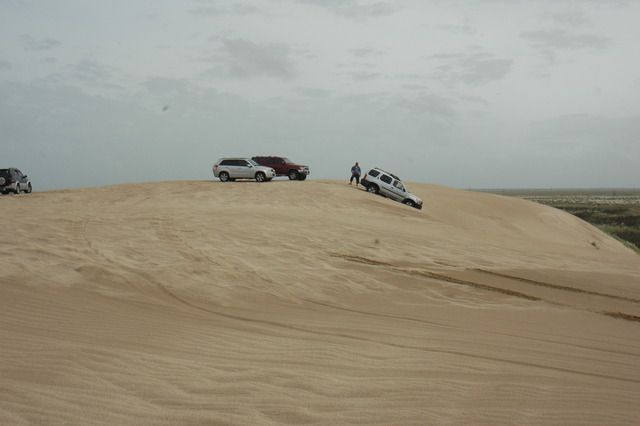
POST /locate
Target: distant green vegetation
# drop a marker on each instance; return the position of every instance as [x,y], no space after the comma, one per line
[620,221]
[615,211]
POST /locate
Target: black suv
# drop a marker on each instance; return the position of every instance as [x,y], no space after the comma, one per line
[12,180]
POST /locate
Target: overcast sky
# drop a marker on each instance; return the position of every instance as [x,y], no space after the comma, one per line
[471,94]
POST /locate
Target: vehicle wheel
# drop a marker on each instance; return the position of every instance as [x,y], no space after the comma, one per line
[409,203]
[372,189]
[17,190]
[224,177]
[302,177]
[29,189]
[293,175]
[260,177]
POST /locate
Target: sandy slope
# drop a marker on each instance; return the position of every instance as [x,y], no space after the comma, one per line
[311,302]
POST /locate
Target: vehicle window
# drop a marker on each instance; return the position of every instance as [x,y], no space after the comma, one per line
[4,173]
[226,163]
[251,162]
[374,172]
[242,163]
[398,185]
[284,161]
[386,179]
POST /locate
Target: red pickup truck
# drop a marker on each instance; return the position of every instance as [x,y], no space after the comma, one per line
[283,167]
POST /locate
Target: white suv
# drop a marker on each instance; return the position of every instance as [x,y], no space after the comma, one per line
[230,169]
[377,181]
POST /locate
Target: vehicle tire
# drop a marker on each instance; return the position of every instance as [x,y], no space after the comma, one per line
[293,175]
[302,177]
[409,203]
[223,176]
[260,177]
[372,188]
[29,189]
[17,190]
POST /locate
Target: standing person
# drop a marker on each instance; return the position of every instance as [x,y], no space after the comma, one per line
[355,174]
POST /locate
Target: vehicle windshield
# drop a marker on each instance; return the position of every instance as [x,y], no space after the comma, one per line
[286,160]
[253,163]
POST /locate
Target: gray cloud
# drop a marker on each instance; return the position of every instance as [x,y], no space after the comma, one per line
[561,39]
[426,103]
[419,104]
[312,92]
[240,58]
[95,74]
[362,52]
[409,76]
[459,29]
[355,9]
[475,100]
[475,67]
[573,18]
[222,8]
[364,75]
[4,65]
[33,44]
[415,87]
[588,133]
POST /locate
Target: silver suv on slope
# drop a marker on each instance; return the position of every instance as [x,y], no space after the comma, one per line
[230,169]
[377,181]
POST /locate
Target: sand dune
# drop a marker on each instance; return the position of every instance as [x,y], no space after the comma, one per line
[311,303]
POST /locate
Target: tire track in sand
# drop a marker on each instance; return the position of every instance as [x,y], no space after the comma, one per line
[446,278]
[434,275]
[556,286]
[276,324]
